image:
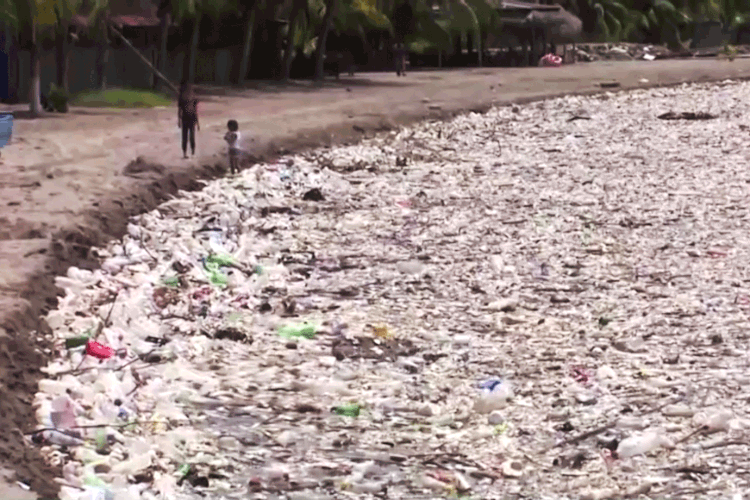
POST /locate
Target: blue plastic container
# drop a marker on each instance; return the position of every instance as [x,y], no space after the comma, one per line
[6,127]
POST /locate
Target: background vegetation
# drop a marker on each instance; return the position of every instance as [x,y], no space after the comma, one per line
[432,26]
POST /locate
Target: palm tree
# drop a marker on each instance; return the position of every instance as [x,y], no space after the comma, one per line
[30,16]
[488,21]
[64,12]
[355,19]
[661,21]
[320,51]
[165,17]
[10,42]
[251,12]
[310,21]
[435,29]
[193,13]
[299,9]
[185,13]
[607,17]
[473,29]
[98,22]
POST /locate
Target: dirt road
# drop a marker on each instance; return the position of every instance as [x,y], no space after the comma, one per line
[64,188]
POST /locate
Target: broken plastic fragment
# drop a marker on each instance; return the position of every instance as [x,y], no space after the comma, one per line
[304,330]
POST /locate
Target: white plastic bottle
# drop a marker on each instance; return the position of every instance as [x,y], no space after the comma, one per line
[495,395]
[643,443]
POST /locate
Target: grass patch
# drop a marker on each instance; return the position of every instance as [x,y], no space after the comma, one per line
[121,98]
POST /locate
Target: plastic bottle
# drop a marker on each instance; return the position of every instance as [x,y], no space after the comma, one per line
[220,260]
[495,395]
[716,421]
[351,410]
[99,494]
[306,330]
[61,438]
[642,444]
[74,342]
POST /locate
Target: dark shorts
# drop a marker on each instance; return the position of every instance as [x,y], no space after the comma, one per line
[189,120]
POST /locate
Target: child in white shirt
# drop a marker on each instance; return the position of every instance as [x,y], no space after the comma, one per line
[233,140]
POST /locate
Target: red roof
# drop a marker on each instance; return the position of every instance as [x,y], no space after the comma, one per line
[135,21]
[132,20]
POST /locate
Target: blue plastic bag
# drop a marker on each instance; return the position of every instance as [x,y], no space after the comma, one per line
[6,127]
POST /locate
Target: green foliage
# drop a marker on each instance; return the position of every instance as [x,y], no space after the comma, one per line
[361,15]
[58,98]
[23,14]
[121,98]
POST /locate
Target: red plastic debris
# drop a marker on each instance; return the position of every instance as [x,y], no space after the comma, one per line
[581,375]
[98,350]
[609,458]
[551,60]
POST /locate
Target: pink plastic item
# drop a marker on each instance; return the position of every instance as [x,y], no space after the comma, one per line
[98,350]
[551,60]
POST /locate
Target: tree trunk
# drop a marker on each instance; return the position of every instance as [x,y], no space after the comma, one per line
[102,58]
[35,89]
[61,55]
[320,50]
[290,49]
[483,42]
[14,74]
[457,47]
[193,51]
[526,40]
[166,21]
[4,32]
[5,47]
[247,47]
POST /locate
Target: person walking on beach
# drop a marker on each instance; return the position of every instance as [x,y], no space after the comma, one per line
[233,141]
[187,116]
[400,54]
[404,23]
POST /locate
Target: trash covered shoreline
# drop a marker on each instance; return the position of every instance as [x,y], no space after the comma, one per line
[543,301]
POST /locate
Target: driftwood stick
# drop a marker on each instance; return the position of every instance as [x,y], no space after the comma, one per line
[603,428]
[145,61]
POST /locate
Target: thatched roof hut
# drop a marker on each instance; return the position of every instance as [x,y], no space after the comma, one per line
[559,25]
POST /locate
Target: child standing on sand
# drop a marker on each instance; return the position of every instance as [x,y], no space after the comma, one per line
[233,140]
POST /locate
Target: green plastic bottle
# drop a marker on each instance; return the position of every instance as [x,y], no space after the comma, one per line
[221,260]
[74,342]
[172,281]
[350,410]
[304,330]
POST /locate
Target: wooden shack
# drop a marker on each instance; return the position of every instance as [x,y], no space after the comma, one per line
[529,30]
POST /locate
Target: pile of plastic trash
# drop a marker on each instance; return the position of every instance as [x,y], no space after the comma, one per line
[623,52]
[544,301]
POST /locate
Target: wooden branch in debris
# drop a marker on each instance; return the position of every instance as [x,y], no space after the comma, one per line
[606,427]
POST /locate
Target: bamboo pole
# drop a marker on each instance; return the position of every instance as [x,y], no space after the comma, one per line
[146,61]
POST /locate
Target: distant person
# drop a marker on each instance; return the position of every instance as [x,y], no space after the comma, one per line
[404,24]
[187,117]
[400,54]
[233,141]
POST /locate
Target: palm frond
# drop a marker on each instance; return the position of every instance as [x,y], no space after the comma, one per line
[434,34]
[614,24]
[618,10]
